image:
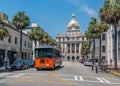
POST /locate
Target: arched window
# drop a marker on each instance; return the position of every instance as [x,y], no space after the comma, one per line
[68,58]
[78,58]
[73,58]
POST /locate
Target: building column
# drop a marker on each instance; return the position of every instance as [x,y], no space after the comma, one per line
[70,48]
[70,58]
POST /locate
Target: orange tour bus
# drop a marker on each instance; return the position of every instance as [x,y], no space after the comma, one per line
[47,57]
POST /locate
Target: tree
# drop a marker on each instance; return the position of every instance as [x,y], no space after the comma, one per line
[85,49]
[102,27]
[36,34]
[3,32]
[93,33]
[110,13]
[21,21]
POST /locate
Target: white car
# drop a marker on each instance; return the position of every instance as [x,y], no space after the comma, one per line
[88,63]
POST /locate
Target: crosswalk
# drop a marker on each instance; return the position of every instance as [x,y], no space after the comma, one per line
[74,78]
[91,79]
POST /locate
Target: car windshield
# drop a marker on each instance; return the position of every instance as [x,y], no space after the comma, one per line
[18,62]
[30,61]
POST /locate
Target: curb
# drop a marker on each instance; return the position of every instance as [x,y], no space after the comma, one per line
[115,73]
[3,76]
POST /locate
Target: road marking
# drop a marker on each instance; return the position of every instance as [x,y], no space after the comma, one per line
[100,79]
[81,78]
[17,75]
[63,80]
[105,80]
[76,78]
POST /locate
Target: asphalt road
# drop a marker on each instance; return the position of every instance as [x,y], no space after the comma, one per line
[69,74]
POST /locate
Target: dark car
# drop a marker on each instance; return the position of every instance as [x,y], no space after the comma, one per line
[19,64]
[31,63]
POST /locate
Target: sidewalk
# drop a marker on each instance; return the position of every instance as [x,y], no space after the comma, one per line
[3,72]
[2,69]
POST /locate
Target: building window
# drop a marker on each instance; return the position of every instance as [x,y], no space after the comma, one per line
[77,38]
[63,39]
[68,47]
[83,38]
[24,43]
[72,38]
[63,50]
[103,48]
[73,48]
[15,40]
[1,38]
[103,36]
[28,45]
[68,39]
[59,40]
[118,53]
[9,38]
[77,48]
[76,34]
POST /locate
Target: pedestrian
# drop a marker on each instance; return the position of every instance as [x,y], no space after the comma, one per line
[7,63]
[111,61]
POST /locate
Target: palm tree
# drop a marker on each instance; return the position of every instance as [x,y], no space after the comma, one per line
[3,31]
[53,42]
[93,30]
[59,46]
[21,21]
[110,13]
[36,34]
[102,27]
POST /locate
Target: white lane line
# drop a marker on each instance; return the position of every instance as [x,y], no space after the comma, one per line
[105,80]
[17,75]
[100,79]
[81,78]
[76,78]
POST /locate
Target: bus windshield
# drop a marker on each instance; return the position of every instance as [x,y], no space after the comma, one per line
[43,52]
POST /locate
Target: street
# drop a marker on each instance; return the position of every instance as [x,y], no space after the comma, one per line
[69,74]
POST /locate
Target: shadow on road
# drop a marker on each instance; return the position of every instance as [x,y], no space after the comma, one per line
[49,69]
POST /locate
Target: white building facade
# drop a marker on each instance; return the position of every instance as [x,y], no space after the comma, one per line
[71,41]
[107,46]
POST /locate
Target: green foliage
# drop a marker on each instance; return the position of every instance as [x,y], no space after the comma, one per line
[110,13]
[20,20]
[3,32]
[85,49]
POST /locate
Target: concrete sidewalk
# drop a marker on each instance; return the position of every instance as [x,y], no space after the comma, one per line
[3,72]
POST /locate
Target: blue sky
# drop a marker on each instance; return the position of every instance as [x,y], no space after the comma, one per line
[54,15]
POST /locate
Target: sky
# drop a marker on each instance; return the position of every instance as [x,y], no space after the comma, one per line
[54,15]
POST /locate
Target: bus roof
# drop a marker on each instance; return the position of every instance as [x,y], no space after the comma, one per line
[46,46]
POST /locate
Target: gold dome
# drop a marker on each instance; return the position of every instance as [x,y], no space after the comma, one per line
[73,23]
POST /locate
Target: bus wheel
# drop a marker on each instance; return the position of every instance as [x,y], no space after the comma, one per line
[53,67]
[38,69]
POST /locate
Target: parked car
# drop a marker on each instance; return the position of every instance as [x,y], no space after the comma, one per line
[19,64]
[82,60]
[31,63]
[88,63]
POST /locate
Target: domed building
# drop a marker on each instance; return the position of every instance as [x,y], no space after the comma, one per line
[71,41]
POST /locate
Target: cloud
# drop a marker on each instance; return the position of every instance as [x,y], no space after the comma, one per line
[73,2]
[89,11]
[81,7]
